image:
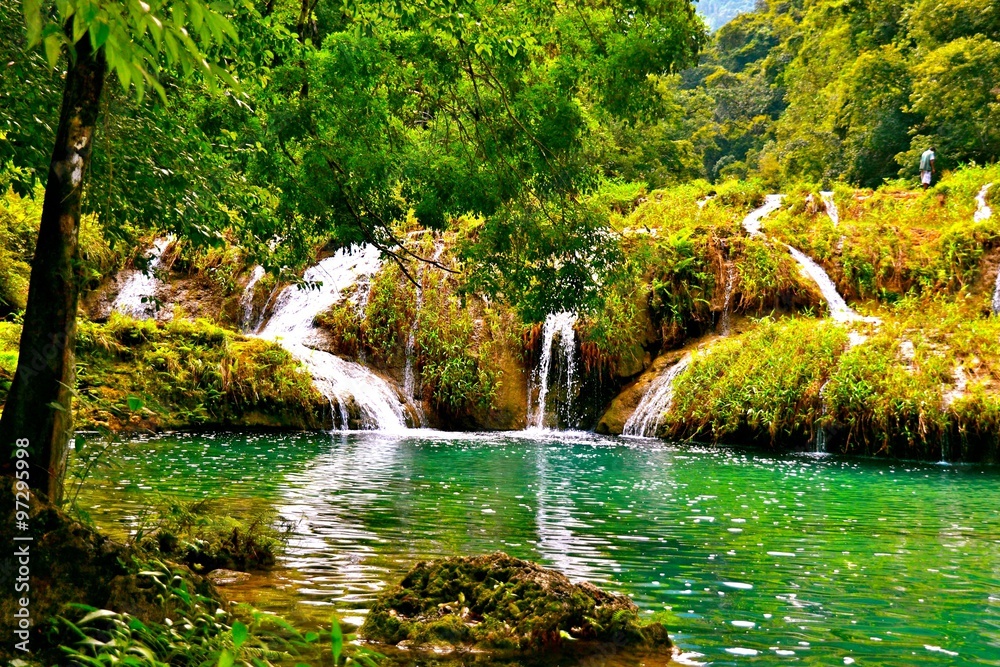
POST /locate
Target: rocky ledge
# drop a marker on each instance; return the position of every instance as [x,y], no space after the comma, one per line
[502,604]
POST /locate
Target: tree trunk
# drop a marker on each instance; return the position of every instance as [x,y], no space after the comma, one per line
[39,405]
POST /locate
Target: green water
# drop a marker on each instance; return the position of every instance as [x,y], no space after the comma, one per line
[761,559]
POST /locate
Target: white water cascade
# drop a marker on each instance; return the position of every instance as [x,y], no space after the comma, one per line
[556,325]
[726,323]
[137,297]
[344,383]
[752,222]
[831,207]
[839,310]
[655,402]
[983,210]
[246,301]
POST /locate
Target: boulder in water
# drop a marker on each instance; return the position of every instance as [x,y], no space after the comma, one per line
[503,604]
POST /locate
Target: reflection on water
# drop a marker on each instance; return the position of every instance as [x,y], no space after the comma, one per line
[817,561]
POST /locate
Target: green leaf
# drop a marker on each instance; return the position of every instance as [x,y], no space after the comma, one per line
[226,660]
[135,403]
[124,73]
[100,613]
[79,26]
[99,35]
[33,20]
[197,13]
[336,639]
[240,634]
[171,43]
[53,47]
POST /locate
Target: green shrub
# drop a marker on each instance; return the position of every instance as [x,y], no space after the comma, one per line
[763,386]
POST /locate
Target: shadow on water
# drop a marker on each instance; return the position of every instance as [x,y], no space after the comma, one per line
[753,557]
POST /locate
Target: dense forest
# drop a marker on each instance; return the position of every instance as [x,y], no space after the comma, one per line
[847,91]
[305,305]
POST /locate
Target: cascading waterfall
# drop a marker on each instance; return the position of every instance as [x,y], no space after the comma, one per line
[655,403]
[839,310]
[984,213]
[295,308]
[137,297]
[821,431]
[752,222]
[345,384]
[831,207]
[556,325]
[983,210]
[246,301]
[411,384]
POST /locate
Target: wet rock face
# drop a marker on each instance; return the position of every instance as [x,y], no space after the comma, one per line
[505,604]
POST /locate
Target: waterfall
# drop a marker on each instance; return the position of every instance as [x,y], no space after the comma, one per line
[347,384]
[821,431]
[655,402]
[295,308]
[753,221]
[727,302]
[137,297]
[411,384]
[831,207]
[246,301]
[996,295]
[984,213]
[983,210]
[350,387]
[839,310]
[561,325]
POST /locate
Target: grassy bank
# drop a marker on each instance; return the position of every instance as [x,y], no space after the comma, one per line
[139,375]
[921,385]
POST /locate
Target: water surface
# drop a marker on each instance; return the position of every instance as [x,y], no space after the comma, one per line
[759,559]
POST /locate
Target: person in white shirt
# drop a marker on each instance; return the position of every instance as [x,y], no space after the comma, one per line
[927,167]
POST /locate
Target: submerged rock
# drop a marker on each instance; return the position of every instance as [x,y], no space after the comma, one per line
[500,603]
[223,577]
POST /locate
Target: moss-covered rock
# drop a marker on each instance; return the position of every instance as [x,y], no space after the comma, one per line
[145,375]
[504,604]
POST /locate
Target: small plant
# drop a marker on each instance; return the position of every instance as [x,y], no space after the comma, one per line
[194,632]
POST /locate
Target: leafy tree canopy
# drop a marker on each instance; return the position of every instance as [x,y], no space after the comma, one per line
[347,116]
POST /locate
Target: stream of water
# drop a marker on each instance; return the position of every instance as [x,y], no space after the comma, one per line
[137,297]
[354,391]
[655,402]
[556,370]
[758,559]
